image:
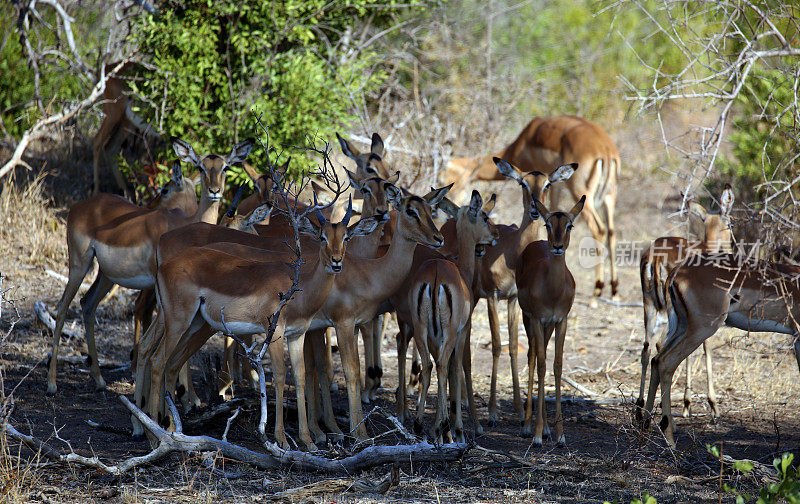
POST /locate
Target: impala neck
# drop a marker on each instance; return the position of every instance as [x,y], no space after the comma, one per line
[466,253]
[557,270]
[367,245]
[395,265]
[207,211]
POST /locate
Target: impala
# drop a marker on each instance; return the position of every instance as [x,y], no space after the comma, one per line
[657,261]
[123,239]
[546,291]
[368,164]
[363,287]
[441,303]
[203,285]
[708,292]
[495,277]
[547,142]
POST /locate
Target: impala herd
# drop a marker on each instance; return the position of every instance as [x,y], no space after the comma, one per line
[201,278]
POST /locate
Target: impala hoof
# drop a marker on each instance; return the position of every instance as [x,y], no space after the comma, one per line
[492,423]
[527,432]
[593,304]
[546,431]
[537,442]
[479,430]
[51,389]
[562,441]
[100,385]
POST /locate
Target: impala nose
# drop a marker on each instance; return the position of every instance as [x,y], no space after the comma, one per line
[336,265]
[214,195]
[558,251]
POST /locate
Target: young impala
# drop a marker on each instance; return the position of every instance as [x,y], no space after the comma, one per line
[657,261]
[441,303]
[546,290]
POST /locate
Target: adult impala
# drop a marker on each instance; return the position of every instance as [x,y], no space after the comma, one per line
[548,142]
[123,239]
[546,291]
[711,291]
[657,261]
[441,302]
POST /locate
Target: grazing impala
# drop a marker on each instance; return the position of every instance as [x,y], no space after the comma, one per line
[657,261]
[546,291]
[495,277]
[711,291]
[547,142]
[440,302]
[203,285]
[123,239]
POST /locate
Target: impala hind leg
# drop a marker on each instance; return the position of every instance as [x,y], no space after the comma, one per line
[78,268]
[467,371]
[313,397]
[421,339]
[402,390]
[370,374]
[513,353]
[89,302]
[650,318]
[142,318]
[609,203]
[455,377]
[687,391]
[528,323]
[712,394]
[494,327]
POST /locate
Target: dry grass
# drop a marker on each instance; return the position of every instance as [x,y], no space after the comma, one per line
[30,230]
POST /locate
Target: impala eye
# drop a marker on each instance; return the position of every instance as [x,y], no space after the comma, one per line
[323,237]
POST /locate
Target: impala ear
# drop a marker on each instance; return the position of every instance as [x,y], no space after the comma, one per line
[362,227]
[436,195]
[240,151]
[488,207]
[347,149]
[308,228]
[235,203]
[260,214]
[698,210]
[543,211]
[726,200]
[576,210]
[563,172]
[393,195]
[353,180]
[251,173]
[448,207]
[394,178]
[177,174]
[475,204]
[377,145]
[186,152]
[508,171]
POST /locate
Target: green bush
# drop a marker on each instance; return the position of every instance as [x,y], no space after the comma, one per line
[218,65]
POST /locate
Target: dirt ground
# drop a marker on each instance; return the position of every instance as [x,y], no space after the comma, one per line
[606,458]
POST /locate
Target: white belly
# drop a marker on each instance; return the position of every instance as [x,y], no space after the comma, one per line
[126,266]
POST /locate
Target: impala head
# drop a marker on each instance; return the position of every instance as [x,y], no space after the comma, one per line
[718,236]
[534,184]
[334,237]
[373,192]
[244,222]
[559,225]
[212,166]
[368,164]
[177,193]
[472,221]
[414,219]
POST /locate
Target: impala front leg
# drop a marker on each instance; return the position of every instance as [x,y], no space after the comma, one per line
[561,332]
[513,352]
[345,335]
[541,355]
[296,345]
